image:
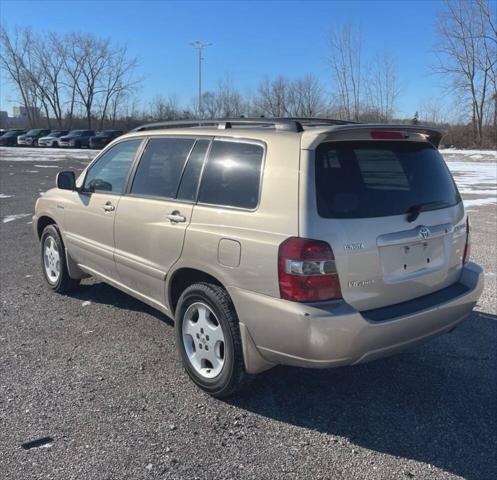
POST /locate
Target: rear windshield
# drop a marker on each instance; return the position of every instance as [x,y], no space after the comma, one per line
[378,179]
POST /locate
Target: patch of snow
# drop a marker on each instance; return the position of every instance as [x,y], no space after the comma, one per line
[482,153]
[47,166]
[44,155]
[476,181]
[11,218]
[86,303]
[478,202]
[3,195]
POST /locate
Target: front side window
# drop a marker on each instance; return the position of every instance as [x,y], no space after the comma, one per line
[110,171]
[232,175]
[160,168]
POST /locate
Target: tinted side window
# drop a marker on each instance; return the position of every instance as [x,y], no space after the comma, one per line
[160,167]
[189,181]
[232,175]
[111,169]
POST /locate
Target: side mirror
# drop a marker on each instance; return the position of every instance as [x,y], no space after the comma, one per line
[66,181]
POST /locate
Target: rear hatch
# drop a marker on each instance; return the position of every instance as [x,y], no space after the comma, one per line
[389,208]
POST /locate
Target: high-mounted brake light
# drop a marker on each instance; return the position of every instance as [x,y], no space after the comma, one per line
[388,135]
[307,271]
[467,247]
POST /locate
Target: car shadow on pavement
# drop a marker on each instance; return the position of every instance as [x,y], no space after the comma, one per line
[105,294]
[436,404]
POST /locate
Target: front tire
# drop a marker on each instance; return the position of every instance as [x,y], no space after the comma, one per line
[53,261]
[208,339]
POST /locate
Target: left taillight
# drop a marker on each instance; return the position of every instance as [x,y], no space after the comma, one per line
[467,247]
[307,271]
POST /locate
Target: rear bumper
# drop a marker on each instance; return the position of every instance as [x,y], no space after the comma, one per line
[332,334]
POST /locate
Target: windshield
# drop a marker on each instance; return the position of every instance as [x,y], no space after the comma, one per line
[76,133]
[36,131]
[376,179]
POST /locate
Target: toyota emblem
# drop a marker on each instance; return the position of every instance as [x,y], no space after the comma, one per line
[424,232]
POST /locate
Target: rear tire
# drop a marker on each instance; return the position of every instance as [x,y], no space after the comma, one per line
[53,261]
[214,362]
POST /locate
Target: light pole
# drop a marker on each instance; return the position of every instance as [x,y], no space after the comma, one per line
[199,46]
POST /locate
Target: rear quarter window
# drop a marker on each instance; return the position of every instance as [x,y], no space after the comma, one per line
[232,175]
[379,178]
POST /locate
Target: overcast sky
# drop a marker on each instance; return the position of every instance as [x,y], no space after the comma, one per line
[251,40]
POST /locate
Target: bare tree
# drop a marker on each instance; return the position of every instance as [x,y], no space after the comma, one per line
[164,108]
[272,98]
[306,97]
[382,87]
[488,34]
[229,100]
[346,67]
[462,57]
[117,78]
[432,111]
[14,59]
[46,72]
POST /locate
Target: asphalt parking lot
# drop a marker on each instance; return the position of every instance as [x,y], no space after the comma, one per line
[97,372]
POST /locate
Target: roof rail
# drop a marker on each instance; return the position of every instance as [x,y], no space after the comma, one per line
[315,121]
[285,124]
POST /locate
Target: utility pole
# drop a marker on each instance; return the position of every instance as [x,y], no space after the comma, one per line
[199,46]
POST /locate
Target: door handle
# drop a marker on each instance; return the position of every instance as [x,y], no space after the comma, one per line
[108,207]
[176,217]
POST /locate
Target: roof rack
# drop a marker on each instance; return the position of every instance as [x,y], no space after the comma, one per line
[316,121]
[284,124]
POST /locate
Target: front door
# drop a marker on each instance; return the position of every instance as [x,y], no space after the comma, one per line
[152,219]
[90,215]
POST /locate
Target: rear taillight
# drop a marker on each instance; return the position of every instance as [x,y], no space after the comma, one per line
[467,247]
[307,271]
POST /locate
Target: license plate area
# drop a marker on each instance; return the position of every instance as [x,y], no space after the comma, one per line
[402,261]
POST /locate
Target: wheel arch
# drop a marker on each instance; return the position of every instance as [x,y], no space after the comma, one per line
[42,223]
[74,271]
[181,279]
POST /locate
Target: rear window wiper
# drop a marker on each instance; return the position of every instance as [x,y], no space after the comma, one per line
[414,210]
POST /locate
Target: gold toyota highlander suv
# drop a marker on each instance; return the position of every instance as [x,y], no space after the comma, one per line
[304,242]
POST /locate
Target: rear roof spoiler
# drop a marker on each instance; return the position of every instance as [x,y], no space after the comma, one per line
[431,134]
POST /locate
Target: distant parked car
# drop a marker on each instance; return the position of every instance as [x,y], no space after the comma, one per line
[52,139]
[9,138]
[30,139]
[101,139]
[77,138]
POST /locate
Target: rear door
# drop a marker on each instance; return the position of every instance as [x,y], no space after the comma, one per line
[393,216]
[153,217]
